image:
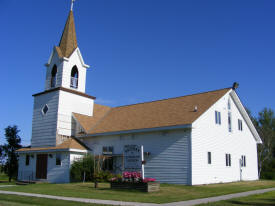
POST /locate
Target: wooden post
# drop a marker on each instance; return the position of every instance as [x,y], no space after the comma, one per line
[142,159]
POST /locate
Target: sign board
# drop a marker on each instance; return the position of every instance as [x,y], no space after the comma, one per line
[132,158]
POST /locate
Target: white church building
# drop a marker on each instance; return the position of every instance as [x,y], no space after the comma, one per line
[195,139]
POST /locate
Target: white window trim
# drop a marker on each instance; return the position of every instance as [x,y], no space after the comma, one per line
[43,108]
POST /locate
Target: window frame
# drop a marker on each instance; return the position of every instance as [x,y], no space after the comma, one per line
[42,110]
[209,158]
[230,122]
[229,104]
[107,149]
[53,76]
[218,117]
[228,160]
[240,125]
[58,157]
[74,77]
[243,161]
[27,160]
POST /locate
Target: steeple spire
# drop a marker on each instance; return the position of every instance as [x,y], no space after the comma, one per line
[68,42]
[72,4]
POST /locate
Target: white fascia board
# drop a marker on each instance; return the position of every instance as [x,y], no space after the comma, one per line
[53,151]
[177,127]
[77,50]
[65,59]
[50,59]
[78,151]
[81,58]
[44,151]
[246,117]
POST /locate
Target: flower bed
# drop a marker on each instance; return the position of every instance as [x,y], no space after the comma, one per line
[133,180]
[141,186]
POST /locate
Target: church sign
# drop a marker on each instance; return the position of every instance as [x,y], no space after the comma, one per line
[133,157]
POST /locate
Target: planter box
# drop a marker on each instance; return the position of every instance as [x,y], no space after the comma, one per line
[141,186]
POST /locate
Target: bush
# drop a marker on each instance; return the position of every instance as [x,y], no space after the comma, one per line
[81,168]
[268,175]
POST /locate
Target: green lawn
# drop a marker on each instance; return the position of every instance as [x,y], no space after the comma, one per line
[168,193]
[266,199]
[4,179]
[14,200]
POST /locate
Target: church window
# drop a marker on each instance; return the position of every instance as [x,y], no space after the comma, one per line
[107,150]
[53,76]
[45,109]
[229,122]
[74,78]
[228,160]
[218,117]
[209,158]
[58,159]
[229,105]
[240,124]
[27,160]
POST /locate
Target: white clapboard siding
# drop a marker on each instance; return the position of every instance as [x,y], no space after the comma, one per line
[74,60]
[69,103]
[59,64]
[44,126]
[26,172]
[169,159]
[207,136]
[59,173]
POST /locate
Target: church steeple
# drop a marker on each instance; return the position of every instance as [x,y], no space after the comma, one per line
[68,42]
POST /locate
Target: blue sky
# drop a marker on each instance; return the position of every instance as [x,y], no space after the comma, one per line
[139,50]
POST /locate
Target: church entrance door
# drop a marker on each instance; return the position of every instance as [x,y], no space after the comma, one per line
[41,166]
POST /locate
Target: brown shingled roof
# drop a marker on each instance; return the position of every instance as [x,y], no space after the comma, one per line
[68,42]
[162,113]
[88,122]
[70,143]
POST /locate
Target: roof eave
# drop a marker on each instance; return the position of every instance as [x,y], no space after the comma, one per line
[52,150]
[155,129]
[246,117]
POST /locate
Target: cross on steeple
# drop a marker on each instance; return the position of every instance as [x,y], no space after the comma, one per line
[72,4]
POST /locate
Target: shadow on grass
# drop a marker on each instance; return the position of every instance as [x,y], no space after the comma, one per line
[264,202]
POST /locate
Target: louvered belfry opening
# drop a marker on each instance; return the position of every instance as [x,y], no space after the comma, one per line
[74,78]
[53,76]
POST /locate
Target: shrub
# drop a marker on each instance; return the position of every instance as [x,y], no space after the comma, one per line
[82,169]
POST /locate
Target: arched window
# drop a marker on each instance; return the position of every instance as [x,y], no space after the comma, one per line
[74,77]
[53,77]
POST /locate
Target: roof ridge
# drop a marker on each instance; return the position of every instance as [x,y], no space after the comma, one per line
[172,98]
[101,119]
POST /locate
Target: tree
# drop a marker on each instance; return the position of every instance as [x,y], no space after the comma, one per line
[265,125]
[13,144]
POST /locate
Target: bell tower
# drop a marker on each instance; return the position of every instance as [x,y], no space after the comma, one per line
[64,92]
[66,67]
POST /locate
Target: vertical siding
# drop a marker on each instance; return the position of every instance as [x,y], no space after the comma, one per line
[210,137]
[169,159]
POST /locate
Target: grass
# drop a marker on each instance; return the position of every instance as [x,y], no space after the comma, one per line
[168,192]
[266,199]
[4,179]
[14,200]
